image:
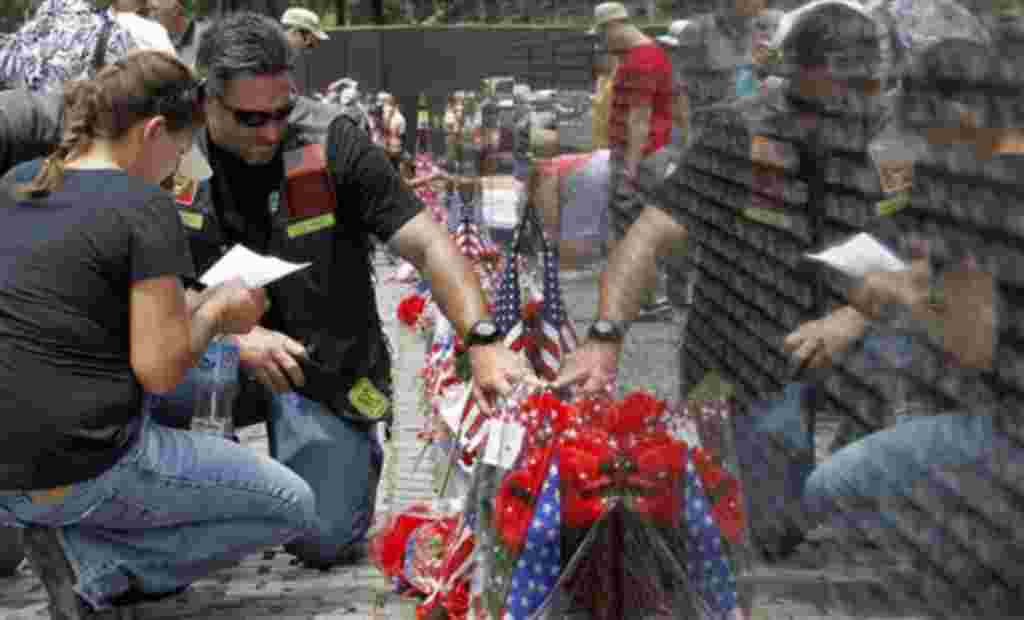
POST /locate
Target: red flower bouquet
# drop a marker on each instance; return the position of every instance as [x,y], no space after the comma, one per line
[427,552]
[610,456]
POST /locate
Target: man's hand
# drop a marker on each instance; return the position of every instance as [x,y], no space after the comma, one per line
[496,371]
[272,358]
[816,344]
[907,288]
[592,367]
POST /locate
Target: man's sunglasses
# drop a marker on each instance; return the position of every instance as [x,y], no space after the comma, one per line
[258,118]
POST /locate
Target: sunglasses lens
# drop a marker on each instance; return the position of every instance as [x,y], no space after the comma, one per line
[259,119]
[252,119]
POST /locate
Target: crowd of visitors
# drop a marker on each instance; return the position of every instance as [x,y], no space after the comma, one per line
[139,143]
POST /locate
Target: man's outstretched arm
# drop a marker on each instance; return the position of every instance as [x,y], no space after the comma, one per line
[631,274]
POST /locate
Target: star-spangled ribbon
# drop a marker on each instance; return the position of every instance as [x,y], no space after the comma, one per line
[540,563]
[709,571]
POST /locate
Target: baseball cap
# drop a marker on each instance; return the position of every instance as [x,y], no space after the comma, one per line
[607,12]
[304,19]
[674,30]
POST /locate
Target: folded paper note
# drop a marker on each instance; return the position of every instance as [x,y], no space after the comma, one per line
[254,269]
[859,256]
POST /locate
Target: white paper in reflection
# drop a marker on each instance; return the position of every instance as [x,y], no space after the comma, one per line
[859,256]
[256,270]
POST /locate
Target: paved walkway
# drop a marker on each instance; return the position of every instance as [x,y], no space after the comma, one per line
[268,586]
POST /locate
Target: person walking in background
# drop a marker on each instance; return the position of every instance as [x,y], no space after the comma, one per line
[640,122]
[116,507]
[304,35]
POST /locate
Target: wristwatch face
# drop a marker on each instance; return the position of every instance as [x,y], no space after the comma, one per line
[484,332]
[485,329]
[606,330]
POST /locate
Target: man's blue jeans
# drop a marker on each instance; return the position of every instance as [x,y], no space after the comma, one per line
[176,507]
[889,463]
[339,460]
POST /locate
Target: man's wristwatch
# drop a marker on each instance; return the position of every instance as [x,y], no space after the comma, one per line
[608,331]
[484,332]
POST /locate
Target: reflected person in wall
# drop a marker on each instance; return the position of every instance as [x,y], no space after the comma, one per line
[943,463]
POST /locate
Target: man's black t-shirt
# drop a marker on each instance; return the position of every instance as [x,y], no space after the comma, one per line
[67,263]
[366,180]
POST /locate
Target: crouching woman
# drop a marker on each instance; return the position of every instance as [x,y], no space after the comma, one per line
[92,314]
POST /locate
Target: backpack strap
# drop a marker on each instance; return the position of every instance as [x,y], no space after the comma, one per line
[99,54]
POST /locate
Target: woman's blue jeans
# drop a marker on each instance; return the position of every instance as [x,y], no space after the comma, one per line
[176,507]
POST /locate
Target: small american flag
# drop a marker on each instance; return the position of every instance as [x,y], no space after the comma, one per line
[540,564]
[557,338]
[709,571]
[508,313]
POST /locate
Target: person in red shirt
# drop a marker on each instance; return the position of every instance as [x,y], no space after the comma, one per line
[641,116]
[640,122]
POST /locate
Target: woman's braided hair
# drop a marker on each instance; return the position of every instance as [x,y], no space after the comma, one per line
[140,86]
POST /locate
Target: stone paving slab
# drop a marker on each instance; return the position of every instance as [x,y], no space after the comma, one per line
[267,585]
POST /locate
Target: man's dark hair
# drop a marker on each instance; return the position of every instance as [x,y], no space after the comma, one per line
[241,45]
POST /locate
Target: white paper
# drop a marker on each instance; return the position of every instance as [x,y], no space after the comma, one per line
[511,443]
[504,441]
[492,453]
[256,270]
[859,256]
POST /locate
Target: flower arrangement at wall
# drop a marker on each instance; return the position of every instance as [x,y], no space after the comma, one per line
[600,510]
[589,502]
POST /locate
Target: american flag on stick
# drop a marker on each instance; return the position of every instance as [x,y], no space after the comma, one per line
[508,313]
[557,336]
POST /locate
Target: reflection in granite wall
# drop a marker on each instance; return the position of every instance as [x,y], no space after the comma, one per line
[767,179]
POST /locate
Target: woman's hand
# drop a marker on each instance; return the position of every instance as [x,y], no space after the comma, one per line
[239,308]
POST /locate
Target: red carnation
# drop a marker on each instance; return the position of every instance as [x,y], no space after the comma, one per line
[410,309]
[634,414]
[514,508]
